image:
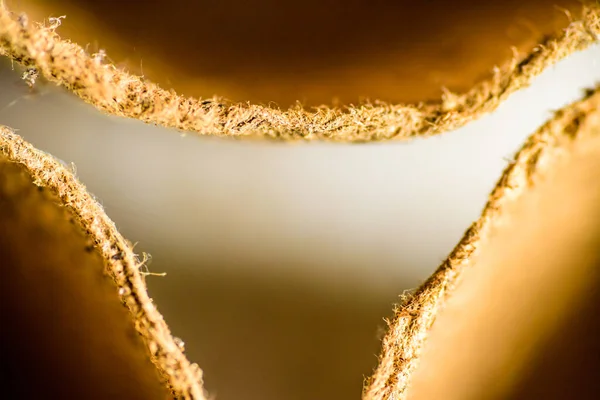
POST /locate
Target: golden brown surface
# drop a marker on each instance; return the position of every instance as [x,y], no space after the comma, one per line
[65,334]
[52,227]
[312,51]
[101,83]
[524,320]
[572,136]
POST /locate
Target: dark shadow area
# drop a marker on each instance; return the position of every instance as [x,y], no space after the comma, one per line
[568,365]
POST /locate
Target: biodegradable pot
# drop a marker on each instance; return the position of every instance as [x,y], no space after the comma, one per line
[64,332]
[515,302]
[312,51]
[472,56]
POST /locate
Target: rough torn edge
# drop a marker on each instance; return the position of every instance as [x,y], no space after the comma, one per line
[183,378]
[407,333]
[119,93]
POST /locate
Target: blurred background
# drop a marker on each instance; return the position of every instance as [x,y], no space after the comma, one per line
[283,260]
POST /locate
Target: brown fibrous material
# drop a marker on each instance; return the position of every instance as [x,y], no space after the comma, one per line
[408,330]
[119,93]
[183,378]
